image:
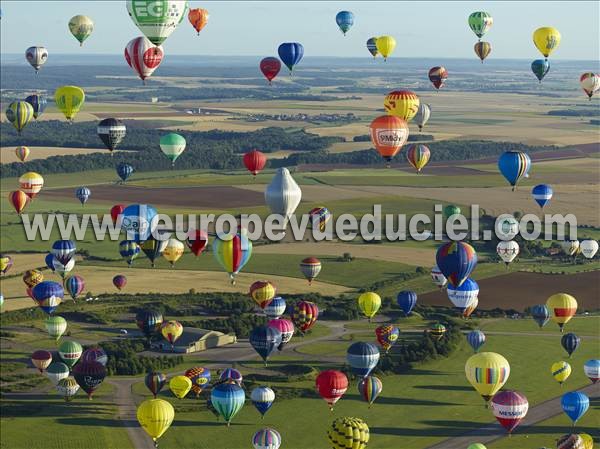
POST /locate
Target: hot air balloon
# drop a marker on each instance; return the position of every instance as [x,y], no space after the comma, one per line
[38,102]
[231,375]
[591,369]
[456,261]
[385,46]
[570,342]
[143,57]
[480,23]
[262,398]
[180,386]
[149,322]
[348,433]
[81,27]
[200,378]
[173,251]
[156,21]
[438,76]
[464,295]
[155,415]
[369,303]
[196,241]
[262,292]
[62,269]
[266,438]
[470,308]
[387,336]
[588,441]
[438,277]
[562,308]
[451,210]
[283,195]
[540,314]
[57,371]
[482,50]
[270,68]
[590,83]
[476,446]
[570,247]
[198,17]
[570,441]
[112,132]
[422,116]
[67,388]
[83,194]
[369,388]
[124,171]
[542,193]
[508,250]
[74,285]
[540,67]
[18,200]
[94,354]
[153,249]
[155,382]
[362,358]
[63,250]
[254,161]
[331,386]
[388,135]
[487,372]
[476,339]
[41,360]
[36,56]
[310,268]
[19,113]
[31,278]
[31,183]
[139,221]
[437,331]
[546,39]
[290,54]
[48,295]
[403,104]
[560,371]
[407,300]
[232,251]
[129,250]
[319,217]
[116,212]
[228,400]
[275,308]
[372,46]
[575,404]
[172,145]
[588,248]
[22,153]
[286,327]
[70,352]
[304,315]
[514,165]
[119,281]
[344,20]
[68,100]
[5,263]
[171,331]
[49,259]
[509,407]
[418,155]
[265,340]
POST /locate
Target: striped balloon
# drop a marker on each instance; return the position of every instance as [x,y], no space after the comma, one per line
[31,183]
[304,315]
[200,378]
[310,268]
[56,326]
[418,155]
[275,308]
[286,327]
[38,103]
[592,370]
[570,343]
[155,382]
[262,398]
[437,331]
[456,261]
[232,252]
[22,153]
[369,388]
[476,339]
[570,441]
[231,375]
[372,46]
[74,285]
[228,400]
[83,194]
[19,113]
[514,165]
[143,57]
[19,200]
[487,372]
[362,358]
[266,438]
[403,104]
[348,433]
[63,250]
[482,50]
[463,296]
[542,193]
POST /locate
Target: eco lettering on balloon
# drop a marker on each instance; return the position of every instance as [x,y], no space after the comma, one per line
[390,136]
[147,12]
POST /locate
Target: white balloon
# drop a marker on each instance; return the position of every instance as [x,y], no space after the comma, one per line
[508,251]
[283,195]
[570,247]
[588,248]
[438,277]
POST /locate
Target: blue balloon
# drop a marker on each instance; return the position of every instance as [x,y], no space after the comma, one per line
[48,295]
[139,221]
[345,20]
[82,194]
[38,103]
[476,339]
[540,67]
[540,314]
[50,261]
[290,53]
[63,250]
[275,308]
[227,399]
[570,342]
[463,296]
[362,358]
[456,261]
[407,300]
[542,193]
[262,399]
[514,165]
[575,404]
[265,340]
[124,171]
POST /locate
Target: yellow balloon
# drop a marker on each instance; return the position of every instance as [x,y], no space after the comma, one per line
[403,104]
[180,386]
[487,372]
[31,183]
[69,100]
[369,303]
[562,307]
[588,441]
[385,45]
[173,251]
[560,371]
[171,331]
[546,39]
[155,416]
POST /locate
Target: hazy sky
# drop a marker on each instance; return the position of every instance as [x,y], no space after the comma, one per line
[421,29]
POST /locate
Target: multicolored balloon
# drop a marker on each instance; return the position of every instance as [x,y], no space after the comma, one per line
[437,331]
[562,307]
[155,382]
[482,50]
[372,46]
[418,155]
[231,375]
[266,438]
[22,153]
[542,193]
[5,263]
[124,171]
[487,372]
[304,315]
[509,407]
[590,83]
[148,321]
[438,76]
[171,331]
[48,295]
[591,368]
[286,327]
[31,183]
[19,113]
[41,360]
[70,352]
[232,251]
[67,387]
[462,297]
[153,249]
[342,427]
[387,335]
[57,371]
[200,378]
[369,388]
[514,165]
[310,268]
[129,250]
[456,261]
[275,308]
[139,221]
[403,104]
[262,292]
[74,285]
[480,23]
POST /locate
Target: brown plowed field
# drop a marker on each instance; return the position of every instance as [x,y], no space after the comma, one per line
[521,290]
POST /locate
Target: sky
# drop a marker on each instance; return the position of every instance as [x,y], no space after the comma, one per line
[421,29]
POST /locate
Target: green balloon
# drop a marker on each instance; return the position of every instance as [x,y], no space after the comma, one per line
[480,22]
[172,145]
[450,210]
[476,446]
[70,352]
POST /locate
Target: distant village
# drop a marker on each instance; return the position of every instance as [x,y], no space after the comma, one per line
[331,118]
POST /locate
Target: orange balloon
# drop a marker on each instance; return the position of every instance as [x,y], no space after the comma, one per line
[198,18]
[18,200]
[388,134]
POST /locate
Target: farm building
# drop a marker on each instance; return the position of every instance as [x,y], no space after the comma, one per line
[194,340]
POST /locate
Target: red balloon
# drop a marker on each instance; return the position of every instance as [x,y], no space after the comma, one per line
[437,75]
[270,67]
[18,200]
[197,241]
[120,281]
[331,385]
[255,161]
[115,211]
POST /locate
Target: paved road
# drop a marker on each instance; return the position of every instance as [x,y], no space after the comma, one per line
[492,432]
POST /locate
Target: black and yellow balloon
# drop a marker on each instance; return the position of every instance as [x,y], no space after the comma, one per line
[348,433]
[19,113]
